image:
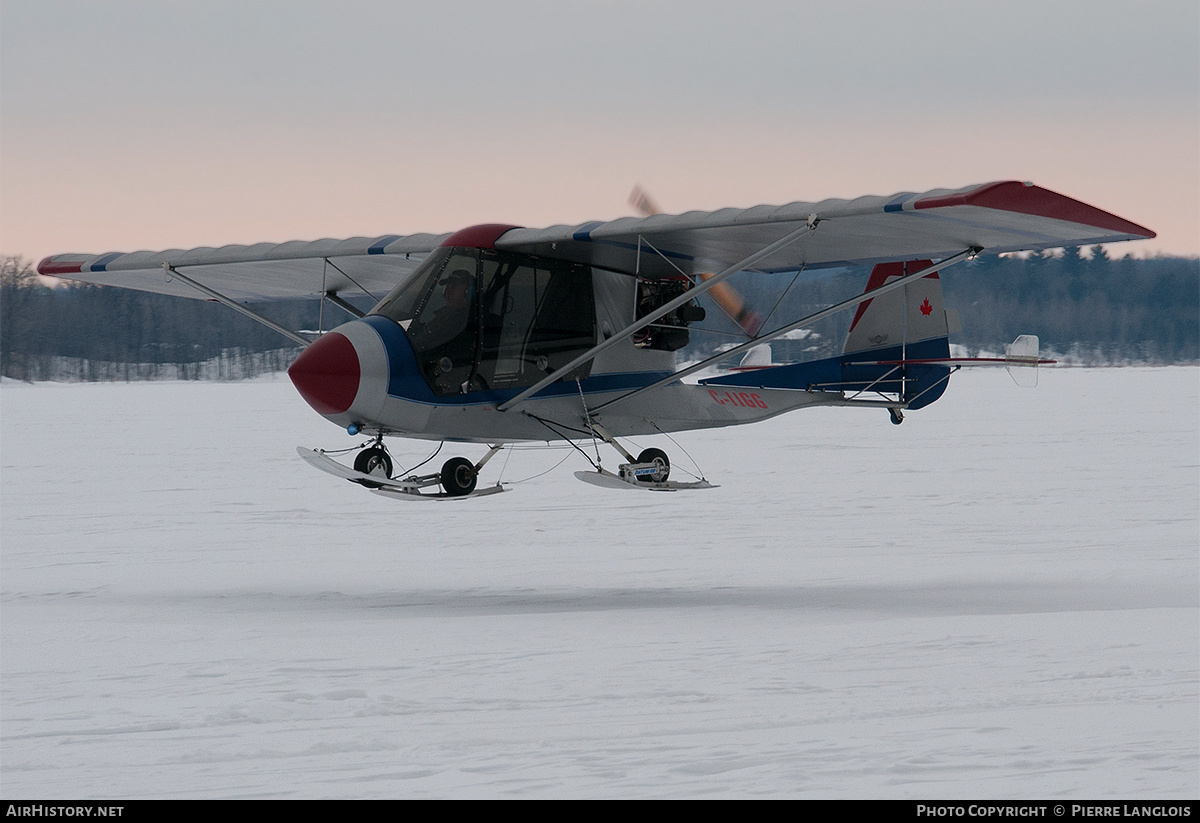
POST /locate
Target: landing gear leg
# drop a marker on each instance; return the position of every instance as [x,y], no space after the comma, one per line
[651,466]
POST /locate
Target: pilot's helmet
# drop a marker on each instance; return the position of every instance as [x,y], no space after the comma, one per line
[459,277]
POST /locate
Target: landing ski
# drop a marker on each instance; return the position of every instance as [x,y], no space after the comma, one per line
[407,489]
[322,461]
[608,480]
[413,494]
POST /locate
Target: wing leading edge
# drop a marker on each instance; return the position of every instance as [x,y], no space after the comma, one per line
[999,217]
[264,271]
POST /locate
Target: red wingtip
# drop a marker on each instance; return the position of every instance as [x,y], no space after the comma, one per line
[1026,198]
[49,267]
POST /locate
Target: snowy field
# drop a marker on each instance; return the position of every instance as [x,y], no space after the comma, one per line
[998,599]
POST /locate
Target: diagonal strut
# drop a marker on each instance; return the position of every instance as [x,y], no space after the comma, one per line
[804,321]
[664,309]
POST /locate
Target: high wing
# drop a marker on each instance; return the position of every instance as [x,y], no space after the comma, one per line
[997,217]
[264,271]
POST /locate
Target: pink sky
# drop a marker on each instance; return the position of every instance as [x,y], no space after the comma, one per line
[203,125]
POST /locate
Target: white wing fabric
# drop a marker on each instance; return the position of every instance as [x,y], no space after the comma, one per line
[999,217]
[264,271]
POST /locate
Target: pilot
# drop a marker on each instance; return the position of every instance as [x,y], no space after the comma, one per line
[451,318]
[457,292]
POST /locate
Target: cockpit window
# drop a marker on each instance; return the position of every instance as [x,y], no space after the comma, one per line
[411,298]
[489,320]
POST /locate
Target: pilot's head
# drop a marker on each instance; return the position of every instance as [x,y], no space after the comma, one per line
[458,289]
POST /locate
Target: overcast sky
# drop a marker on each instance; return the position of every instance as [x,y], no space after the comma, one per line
[132,124]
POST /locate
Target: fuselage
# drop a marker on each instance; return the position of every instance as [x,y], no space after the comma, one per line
[472,327]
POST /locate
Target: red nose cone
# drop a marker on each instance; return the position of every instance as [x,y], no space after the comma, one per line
[326,374]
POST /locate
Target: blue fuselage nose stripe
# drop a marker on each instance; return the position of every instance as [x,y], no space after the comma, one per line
[405,381]
[404,377]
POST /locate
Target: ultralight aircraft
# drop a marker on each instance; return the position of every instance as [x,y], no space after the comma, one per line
[497,334]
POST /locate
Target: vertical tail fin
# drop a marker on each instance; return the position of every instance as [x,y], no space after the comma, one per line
[901,326]
[887,335]
[911,315]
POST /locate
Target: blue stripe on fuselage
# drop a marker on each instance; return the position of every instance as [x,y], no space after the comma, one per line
[923,382]
[406,383]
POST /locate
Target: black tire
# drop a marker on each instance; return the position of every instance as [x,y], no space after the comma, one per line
[897,416]
[374,460]
[659,457]
[458,477]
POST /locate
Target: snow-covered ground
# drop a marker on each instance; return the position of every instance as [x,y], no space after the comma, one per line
[999,598]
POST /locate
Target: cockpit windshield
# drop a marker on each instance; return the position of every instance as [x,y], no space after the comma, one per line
[484,319]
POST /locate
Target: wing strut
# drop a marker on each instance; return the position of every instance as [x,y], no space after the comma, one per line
[343,304]
[664,309]
[171,271]
[804,321]
[343,273]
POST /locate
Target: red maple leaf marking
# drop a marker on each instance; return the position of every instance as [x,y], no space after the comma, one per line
[926,307]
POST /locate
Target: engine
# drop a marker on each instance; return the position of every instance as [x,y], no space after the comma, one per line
[669,332]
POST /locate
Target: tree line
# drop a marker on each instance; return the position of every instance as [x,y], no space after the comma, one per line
[1081,303]
[74,331]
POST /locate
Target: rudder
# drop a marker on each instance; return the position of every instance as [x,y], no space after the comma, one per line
[913,314]
[905,325]
[887,335]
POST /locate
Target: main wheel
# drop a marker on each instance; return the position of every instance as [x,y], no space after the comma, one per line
[374,460]
[662,465]
[458,476]
[897,416]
